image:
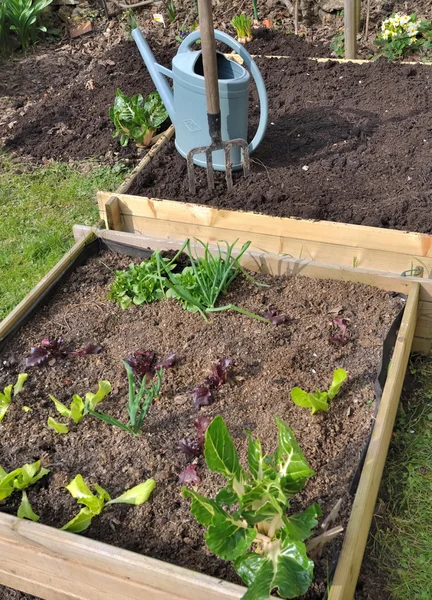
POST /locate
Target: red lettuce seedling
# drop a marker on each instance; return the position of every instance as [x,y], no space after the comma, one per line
[189,447]
[247,522]
[202,394]
[274,318]
[142,363]
[201,424]
[340,333]
[52,350]
[189,475]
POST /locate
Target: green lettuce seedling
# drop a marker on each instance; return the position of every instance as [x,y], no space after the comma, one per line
[319,400]
[21,479]
[247,522]
[9,392]
[78,408]
[94,503]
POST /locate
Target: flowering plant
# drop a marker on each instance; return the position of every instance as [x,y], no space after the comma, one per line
[401,35]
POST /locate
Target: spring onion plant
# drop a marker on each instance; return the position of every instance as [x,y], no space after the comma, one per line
[243,26]
[208,277]
[138,405]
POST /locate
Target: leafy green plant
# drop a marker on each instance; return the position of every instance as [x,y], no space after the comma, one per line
[95,503]
[402,35]
[247,522]
[138,404]
[25,510]
[23,18]
[337,45]
[140,284]
[19,480]
[213,275]
[78,408]
[137,118]
[319,400]
[243,26]
[10,392]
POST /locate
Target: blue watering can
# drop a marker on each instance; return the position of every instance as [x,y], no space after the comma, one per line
[187,105]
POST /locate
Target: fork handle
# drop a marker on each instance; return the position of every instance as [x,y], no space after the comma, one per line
[208,46]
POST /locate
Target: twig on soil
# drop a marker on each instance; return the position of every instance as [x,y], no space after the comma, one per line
[319,541]
[332,516]
[132,6]
[366,31]
[258,161]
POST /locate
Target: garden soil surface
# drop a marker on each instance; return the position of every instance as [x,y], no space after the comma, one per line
[267,362]
[345,142]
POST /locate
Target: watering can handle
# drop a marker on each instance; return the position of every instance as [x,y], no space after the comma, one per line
[220,36]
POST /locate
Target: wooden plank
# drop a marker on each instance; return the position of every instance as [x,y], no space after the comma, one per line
[164,139]
[9,322]
[348,569]
[357,237]
[57,565]
[112,214]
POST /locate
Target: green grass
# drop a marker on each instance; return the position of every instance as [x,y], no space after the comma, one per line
[402,544]
[38,206]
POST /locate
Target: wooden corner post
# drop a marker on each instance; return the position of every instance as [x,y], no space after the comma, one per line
[350,28]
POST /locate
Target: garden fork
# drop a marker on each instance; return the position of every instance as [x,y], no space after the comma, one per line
[208,46]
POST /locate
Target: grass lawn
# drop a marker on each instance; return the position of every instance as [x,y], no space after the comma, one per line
[38,207]
[402,544]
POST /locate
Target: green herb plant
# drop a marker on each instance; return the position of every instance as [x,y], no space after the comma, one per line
[402,35]
[247,522]
[137,118]
[95,503]
[140,284]
[337,45]
[319,400]
[20,479]
[243,26]
[138,404]
[22,16]
[10,392]
[78,408]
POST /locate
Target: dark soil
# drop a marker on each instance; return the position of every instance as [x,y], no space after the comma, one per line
[56,103]
[344,143]
[268,362]
[66,115]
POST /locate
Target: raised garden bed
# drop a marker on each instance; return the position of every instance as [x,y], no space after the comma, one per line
[345,143]
[44,561]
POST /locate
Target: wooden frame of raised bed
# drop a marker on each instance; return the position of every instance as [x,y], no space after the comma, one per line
[57,565]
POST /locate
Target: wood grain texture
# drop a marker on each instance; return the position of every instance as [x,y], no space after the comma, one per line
[57,565]
[327,242]
[348,569]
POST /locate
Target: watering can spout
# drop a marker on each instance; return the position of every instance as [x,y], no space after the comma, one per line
[156,72]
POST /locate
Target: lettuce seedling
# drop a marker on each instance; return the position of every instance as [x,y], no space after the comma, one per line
[201,395]
[25,510]
[9,392]
[20,479]
[319,400]
[51,350]
[142,363]
[189,475]
[95,503]
[247,522]
[138,405]
[78,407]
[340,332]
